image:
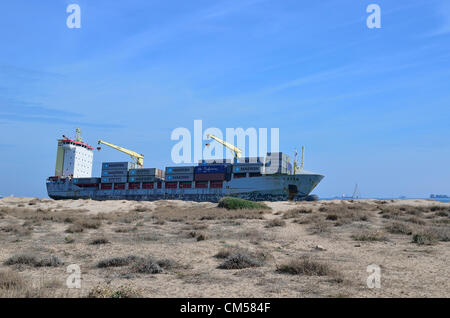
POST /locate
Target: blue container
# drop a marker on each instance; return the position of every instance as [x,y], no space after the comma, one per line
[210,169]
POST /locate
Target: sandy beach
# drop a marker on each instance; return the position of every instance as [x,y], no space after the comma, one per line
[180,249]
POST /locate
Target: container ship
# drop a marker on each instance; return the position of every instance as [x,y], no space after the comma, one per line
[269,178]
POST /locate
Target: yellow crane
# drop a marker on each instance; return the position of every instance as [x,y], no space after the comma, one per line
[236,151]
[137,158]
[302,164]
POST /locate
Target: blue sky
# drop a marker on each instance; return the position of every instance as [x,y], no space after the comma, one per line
[371,106]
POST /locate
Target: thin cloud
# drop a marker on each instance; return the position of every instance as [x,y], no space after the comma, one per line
[444,12]
[317,77]
[16,111]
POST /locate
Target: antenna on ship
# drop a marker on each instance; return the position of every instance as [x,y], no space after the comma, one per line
[302,163]
[78,135]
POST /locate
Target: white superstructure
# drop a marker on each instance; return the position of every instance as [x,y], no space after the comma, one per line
[74,159]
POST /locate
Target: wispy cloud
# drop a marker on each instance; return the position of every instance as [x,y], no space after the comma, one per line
[228,8]
[155,36]
[444,13]
[18,111]
[316,77]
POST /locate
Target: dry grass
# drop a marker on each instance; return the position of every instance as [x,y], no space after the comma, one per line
[370,237]
[16,229]
[310,267]
[146,266]
[88,223]
[201,237]
[347,213]
[235,257]
[11,280]
[99,241]
[230,203]
[275,223]
[124,291]
[43,214]
[74,228]
[325,218]
[431,235]
[125,229]
[189,214]
[294,213]
[140,265]
[34,261]
[239,261]
[191,232]
[14,285]
[230,250]
[319,226]
[118,261]
[399,228]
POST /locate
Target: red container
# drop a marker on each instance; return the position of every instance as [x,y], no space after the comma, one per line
[159,185]
[134,186]
[93,185]
[171,185]
[201,184]
[106,186]
[185,185]
[119,186]
[216,184]
[147,186]
[210,176]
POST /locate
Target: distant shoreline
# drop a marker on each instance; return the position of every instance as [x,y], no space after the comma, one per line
[444,200]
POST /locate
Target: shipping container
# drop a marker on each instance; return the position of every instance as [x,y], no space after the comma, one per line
[249,167]
[216,184]
[239,175]
[134,186]
[106,186]
[147,185]
[118,165]
[146,172]
[142,179]
[170,185]
[119,186]
[114,173]
[215,161]
[86,180]
[201,184]
[180,177]
[185,185]
[219,168]
[210,176]
[179,170]
[114,180]
[93,185]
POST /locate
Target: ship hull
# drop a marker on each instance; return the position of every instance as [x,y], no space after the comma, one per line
[263,188]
